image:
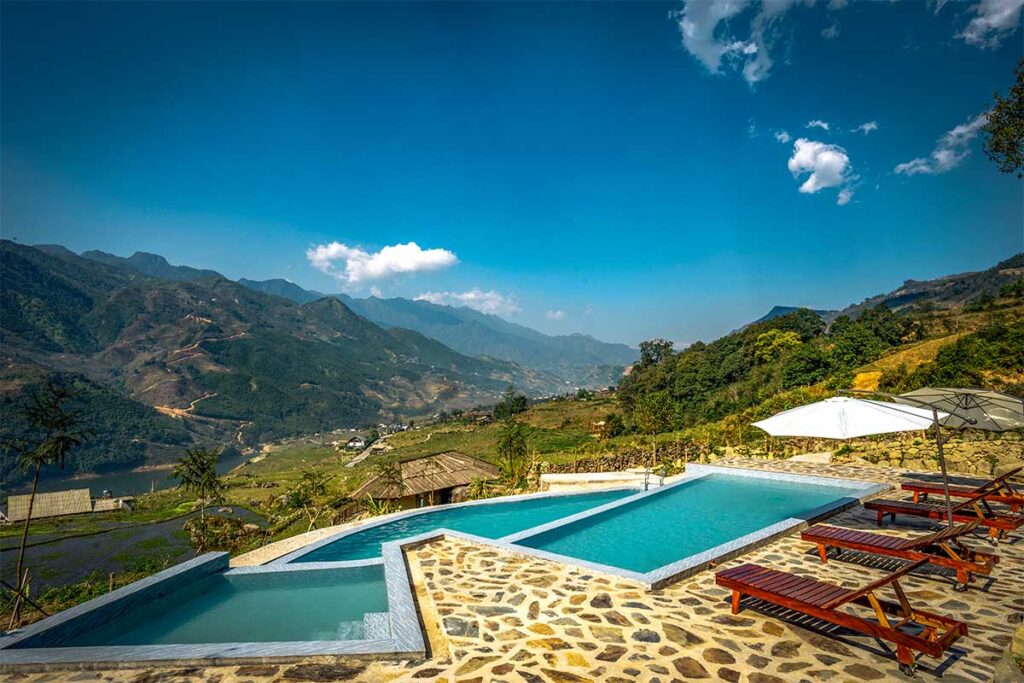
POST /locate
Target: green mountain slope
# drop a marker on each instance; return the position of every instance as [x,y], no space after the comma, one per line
[226,360]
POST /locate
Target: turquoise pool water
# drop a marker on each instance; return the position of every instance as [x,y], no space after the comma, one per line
[489,520]
[326,604]
[684,520]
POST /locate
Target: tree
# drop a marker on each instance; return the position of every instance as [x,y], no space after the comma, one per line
[389,477]
[774,343]
[613,426]
[196,473]
[307,492]
[55,432]
[513,463]
[652,413]
[511,403]
[1004,131]
[654,351]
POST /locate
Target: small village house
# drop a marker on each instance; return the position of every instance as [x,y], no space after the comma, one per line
[61,503]
[356,443]
[428,480]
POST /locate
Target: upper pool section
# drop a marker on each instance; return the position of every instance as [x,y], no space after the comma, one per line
[488,520]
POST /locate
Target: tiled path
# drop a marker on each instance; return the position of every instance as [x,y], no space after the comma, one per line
[503,618]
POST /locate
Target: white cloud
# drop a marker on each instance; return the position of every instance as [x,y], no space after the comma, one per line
[993,20]
[950,151]
[353,265]
[704,26]
[845,195]
[826,166]
[375,291]
[782,136]
[866,127]
[486,302]
[817,123]
[830,32]
[555,315]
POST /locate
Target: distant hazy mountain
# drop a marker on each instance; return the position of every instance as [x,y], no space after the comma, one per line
[283,288]
[777,311]
[949,291]
[152,265]
[227,362]
[579,359]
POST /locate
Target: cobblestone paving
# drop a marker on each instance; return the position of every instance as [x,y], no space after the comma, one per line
[516,619]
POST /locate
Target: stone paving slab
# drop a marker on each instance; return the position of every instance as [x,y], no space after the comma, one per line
[519,619]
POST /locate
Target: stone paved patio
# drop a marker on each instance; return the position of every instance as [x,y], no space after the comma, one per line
[495,617]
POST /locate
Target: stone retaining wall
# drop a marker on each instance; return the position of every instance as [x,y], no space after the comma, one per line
[977,453]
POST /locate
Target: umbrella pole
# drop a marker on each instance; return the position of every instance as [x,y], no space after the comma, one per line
[942,466]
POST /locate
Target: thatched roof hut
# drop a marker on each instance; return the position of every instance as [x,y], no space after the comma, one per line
[432,476]
[55,504]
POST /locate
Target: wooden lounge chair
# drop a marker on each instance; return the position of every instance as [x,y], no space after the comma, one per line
[912,630]
[942,548]
[974,508]
[998,490]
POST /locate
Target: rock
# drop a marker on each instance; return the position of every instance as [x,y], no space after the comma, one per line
[786,649]
[616,618]
[324,673]
[611,653]
[688,667]
[730,675]
[680,636]
[601,601]
[718,656]
[541,629]
[565,676]
[864,672]
[646,635]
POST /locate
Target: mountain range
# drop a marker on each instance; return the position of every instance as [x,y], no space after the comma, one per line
[194,359]
[162,356]
[577,359]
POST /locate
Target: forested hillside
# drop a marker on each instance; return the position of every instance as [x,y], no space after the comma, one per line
[167,361]
[983,347]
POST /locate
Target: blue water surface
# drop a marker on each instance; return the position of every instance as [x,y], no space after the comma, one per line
[323,604]
[684,520]
[489,520]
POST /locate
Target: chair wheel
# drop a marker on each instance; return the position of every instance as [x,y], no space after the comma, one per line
[909,670]
[960,587]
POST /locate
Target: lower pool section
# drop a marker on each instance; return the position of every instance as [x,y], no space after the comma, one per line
[683,520]
[487,520]
[256,607]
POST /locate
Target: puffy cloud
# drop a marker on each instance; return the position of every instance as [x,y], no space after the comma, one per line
[993,20]
[866,127]
[845,195]
[782,136]
[950,151]
[486,302]
[830,32]
[826,166]
[704,29]
[353,265]
[817,123]
[375,291]
[555,315]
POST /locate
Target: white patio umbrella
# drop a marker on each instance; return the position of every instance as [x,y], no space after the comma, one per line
[843,417]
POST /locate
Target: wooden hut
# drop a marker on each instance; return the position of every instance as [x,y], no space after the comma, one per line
[428,480]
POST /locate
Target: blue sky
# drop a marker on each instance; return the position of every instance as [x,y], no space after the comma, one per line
[581,167]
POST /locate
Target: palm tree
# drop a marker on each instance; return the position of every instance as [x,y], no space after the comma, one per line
[57,432]
[196,472]
[513,463]
[310,488]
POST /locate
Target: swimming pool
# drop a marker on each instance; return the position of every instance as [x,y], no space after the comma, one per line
[684,520]
[351,594]
[488,520]
[262,607]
